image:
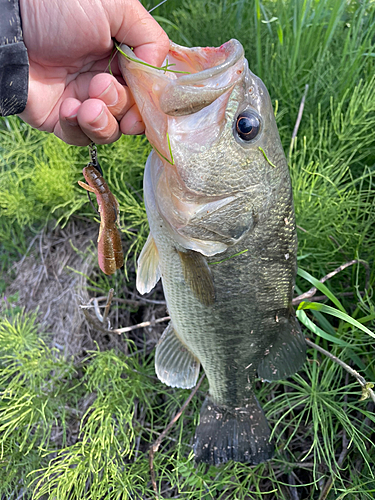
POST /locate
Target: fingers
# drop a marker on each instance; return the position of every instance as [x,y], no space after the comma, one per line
[132,123]
[99,117]
[67,128]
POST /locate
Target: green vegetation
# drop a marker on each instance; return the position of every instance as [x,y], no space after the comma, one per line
[79,427]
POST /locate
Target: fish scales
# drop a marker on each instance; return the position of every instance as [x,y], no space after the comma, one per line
[222,239]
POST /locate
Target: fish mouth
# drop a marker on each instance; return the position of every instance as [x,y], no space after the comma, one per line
[194,77]
[204,63]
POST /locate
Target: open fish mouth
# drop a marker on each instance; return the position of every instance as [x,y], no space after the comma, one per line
[194,77]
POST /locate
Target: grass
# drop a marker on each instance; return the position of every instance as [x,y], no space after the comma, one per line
[80,427]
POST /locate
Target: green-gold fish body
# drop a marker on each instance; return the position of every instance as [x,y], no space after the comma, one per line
[222,238]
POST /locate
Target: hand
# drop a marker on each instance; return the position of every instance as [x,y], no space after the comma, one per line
[69,45]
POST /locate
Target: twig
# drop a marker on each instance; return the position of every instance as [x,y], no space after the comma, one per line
[131,301]
[367,391]
[148,301]
[95,322]
[140,325]
[154,448]
[310,293]
[319,298]
[108,305]
[299,118]
[292,487]
[28,249]
[41,252]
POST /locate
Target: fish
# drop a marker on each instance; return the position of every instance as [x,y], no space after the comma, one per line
[218,197]
[110,255]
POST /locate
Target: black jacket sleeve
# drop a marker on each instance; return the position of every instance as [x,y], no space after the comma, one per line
[14,64]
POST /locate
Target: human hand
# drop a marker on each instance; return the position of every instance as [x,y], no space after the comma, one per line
[69,47]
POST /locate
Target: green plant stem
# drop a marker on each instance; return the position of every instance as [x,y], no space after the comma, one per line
[366,386]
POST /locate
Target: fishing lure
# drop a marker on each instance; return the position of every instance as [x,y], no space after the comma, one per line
[110,255]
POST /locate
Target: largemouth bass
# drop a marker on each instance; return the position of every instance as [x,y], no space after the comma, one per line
[222,238]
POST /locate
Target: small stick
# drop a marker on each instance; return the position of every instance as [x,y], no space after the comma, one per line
[310,293]
[367,391]
[154,448]
[41,253]
[119,331]
[299,118]
[108,305]
[94,322]
[131,301]
[292,486]
[28,249]
[318,298]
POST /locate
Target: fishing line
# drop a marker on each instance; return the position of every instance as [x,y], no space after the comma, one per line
[95,163]
[156,6]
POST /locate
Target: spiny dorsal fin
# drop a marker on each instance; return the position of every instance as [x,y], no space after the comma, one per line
[198,276]
[148,267]
[175,365]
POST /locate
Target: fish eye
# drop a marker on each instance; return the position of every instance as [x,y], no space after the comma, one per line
[247,125]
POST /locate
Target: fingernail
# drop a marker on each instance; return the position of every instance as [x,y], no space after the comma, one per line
[101,120]
[110,95]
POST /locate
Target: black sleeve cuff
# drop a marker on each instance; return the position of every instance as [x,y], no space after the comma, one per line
[14,64]
[14,77]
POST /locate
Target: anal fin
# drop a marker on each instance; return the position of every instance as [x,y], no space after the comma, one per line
[148,273]
[287,354]
[175,365]
[198,277]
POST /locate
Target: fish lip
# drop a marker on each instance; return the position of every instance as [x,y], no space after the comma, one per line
[233,50]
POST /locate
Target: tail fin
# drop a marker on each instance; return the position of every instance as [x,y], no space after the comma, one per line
[240,434]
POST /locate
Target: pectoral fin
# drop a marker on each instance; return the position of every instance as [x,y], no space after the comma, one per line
[175,365]
[148,267]
[198,277]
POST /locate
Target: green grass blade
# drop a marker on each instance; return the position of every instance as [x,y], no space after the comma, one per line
[338,314]
[320,286]
[301,315]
